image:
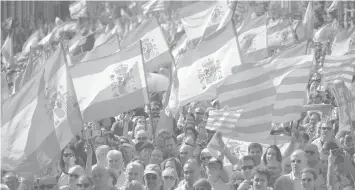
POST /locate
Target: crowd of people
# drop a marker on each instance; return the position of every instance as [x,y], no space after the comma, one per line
[127,153]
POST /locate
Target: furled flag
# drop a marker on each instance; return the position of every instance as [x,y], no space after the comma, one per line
[119,86]
[334,6]
[7,51]
[27,75]
[109,47]
[156,52]
[40,119]
[201,69]
[153,6]
[254,88]
[78,9]
[5,92]
[223,120]
[197,17]
[308,21]
[339,68]
[17,82]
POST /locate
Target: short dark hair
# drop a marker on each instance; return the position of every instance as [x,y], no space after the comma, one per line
[311,171]
[246,158]
[255,145]
[262,171]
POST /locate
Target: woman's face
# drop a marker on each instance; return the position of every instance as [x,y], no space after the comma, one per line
[270,154]
[67,155]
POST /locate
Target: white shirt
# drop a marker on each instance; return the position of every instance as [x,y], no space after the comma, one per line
[296,182]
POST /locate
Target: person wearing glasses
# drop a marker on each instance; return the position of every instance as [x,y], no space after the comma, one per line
[308,179]
[68,160]
[327,134]
[47,183]
[74,173]
[84,183]
[170,179]
[292,181]
[152,177]
[247,164]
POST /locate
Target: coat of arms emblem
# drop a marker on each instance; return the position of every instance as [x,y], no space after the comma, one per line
[209,72]
[283,37]
[150,49]
[59,103]
[123,80]
[217,14]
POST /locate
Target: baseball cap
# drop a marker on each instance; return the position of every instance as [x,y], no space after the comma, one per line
[152,169]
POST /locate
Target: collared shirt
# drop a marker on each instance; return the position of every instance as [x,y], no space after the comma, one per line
[296,182]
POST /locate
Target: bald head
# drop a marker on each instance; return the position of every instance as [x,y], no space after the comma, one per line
[298,161]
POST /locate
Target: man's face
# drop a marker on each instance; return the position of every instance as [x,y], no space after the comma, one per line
[157,157]
[145,154]
[213,170]
[135,173]
[127,154]
[307,181]
[115,162]
[311,153]
[297,163]
[324,162]
[314,120]
[141,137]
[11,182]
[190,173]
[326,131]
[247,167]
[185,153]
[256,153]
[73,177]
[190,119]
[49,183]
[170,144]
[275,168]
[260,182]
[151,180]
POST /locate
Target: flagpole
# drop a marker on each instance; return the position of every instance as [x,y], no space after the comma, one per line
[145,78]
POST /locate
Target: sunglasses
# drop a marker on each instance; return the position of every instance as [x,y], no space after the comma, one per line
[169,177]
[247,168]
[326,128]
[68,154]
[85,185]
[307,180]
[153,177]
[296,161]
[76,176]
[207,158]
[309,152]
[49,186]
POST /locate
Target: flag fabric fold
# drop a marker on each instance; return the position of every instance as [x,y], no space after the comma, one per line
[153,6]
[201,69]
[339,68]
[40,119]
[223,120]
[109,47]
[7,53]
[308,21]
[78,9]
[156,52]
[5,92]
[120,84]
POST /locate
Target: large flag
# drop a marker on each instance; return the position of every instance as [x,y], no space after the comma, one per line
[308,21]
[7,51]
[40,119]
[109,47]
[254,88]
[156,52]
[197,17]
[339,68]
[201,69]
[119,86]
[153,6]
[341,43]
[78,9]
[223,120]
[5,92]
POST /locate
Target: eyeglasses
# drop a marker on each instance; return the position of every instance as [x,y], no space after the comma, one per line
[85,185]
[142,138]
[326,128]
[153,177]
[76,176]
[206,158]
[309,152]
[68,154]
[247,167]
[49,186]
[306,180]
[296,161]
[169,177]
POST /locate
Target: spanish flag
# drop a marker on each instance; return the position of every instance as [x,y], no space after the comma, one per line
[40,119]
